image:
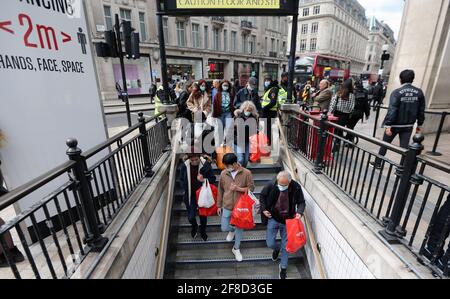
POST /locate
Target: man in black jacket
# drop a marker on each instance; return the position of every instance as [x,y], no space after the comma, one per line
[281,200]
[378,94]
[250,93]
[362,108]
[407,106]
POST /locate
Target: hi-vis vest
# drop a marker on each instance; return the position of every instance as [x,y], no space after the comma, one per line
[266,100]
[158,100]
[282,96]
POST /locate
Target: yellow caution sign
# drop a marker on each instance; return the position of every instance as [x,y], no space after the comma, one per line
[228,4]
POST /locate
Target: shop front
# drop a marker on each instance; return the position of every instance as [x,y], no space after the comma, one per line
[272,70]
[138,73]
[216,69]
[245,70]
[184,68]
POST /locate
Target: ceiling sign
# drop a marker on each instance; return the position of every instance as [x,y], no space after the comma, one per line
[228,7]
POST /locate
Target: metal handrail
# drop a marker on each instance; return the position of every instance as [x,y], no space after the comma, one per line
[378,142]
[15,195]
[91,152]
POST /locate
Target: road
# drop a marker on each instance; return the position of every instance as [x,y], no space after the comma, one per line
[120,120]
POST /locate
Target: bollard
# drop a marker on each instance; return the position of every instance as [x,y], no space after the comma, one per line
[377,116]
[148,168]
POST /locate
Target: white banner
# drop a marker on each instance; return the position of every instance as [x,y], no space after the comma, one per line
[49,88]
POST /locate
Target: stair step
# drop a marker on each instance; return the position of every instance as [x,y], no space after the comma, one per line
[218,237]
[259,270]
[257,168]
[181,221]
[216,254]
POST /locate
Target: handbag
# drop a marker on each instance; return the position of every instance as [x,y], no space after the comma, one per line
[296,235]
[206,197]
[212,211]
[242,215]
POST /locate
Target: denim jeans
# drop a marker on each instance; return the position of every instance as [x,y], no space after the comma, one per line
[243,155]
[272,231]
[226,227]
[227,123]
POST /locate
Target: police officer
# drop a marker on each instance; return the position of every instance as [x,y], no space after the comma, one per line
[270,103]
[160,96]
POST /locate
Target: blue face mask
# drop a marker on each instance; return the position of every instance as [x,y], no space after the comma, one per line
[203,88]
[282,188]
[267,84]
[246,113]
[225,88]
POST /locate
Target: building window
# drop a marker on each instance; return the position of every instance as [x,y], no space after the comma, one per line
[302,45]
[370,58]
[143,26]
[206,32]
[166,29]
[125,14]
[266,45]
[316,10]
[244,43]
[313,44]
[278,46]
[253,44]
[314,27]
[181,34]
[196,35]
[304,29]
[225,40]
[108,17]
[368,67]
[306,12]
[216,39]
[272,48]
[233,41]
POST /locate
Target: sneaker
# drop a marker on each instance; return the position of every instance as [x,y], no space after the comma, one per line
[283,273]
[375,165]
[237,254]
[275,255]
[194,232]
[230,237]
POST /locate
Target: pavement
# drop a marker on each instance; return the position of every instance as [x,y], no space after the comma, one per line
[136,105]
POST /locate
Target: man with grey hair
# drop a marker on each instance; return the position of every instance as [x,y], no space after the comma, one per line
[323,97]
[249,93]
[281,200]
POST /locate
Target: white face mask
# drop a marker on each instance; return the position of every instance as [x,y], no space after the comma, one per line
[225,88]
[246,113]
[283,188]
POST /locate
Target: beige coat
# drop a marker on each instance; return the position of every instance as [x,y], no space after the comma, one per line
[324,99]
[202,104]
[226,198]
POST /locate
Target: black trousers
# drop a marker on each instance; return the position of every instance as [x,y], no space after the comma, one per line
[270,117]
[343,121]
[192,209]
[440,228]
[351,124]
[404,135]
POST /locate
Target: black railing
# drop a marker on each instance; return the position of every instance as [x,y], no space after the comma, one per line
[57,232]
[390,190]
[442,115]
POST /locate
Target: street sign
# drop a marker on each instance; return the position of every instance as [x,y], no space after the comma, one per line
[50,90]
[228,7]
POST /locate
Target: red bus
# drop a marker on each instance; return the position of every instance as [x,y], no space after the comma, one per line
[321,67]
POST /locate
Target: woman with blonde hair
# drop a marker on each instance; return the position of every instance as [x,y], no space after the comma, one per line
[246,119]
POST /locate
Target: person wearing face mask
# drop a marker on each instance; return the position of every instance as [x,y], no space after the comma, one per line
[246,121]
[283,91]
[192,173]
[199,102]
[270,103]
[249,93]
[235,181]
[223,105]
[281,200]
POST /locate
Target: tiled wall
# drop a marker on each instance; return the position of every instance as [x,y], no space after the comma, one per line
[339,259]
[143,263]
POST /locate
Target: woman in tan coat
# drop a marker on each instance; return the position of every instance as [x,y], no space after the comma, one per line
[200,101]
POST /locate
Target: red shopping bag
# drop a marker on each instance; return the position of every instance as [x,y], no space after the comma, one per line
[259,147]
[212,211]
[296,235]
[242,215]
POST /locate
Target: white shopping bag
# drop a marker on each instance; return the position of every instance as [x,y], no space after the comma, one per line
[206,198]
[256,203]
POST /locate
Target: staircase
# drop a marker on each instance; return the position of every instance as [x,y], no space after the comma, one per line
[189,258]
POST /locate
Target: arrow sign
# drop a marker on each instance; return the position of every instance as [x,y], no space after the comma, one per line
[66,37]
[3,26]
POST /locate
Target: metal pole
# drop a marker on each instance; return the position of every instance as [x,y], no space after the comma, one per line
[438,136]
[145,149]
[293,51]
[394,231]
[322,135]
[94,238]
[162,49]
[377,116]
[122,69]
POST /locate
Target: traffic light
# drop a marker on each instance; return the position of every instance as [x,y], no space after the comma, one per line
[135,52]
[127,33]
[102,50]
[110,38]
